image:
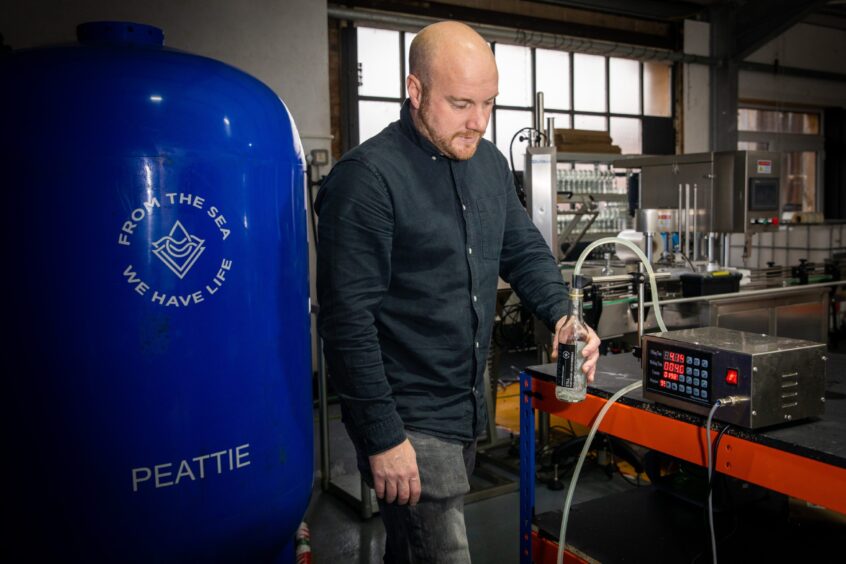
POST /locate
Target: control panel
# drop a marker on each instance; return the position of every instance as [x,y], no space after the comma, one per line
[680,373]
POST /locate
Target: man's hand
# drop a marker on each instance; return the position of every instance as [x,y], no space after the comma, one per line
[395,475]
[590,352]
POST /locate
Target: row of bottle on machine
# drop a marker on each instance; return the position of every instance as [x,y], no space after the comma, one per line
[608,220]
[589,182]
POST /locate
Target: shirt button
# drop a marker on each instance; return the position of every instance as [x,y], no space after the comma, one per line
[474,389]
[434,158]
[469,251]
[474,299]
[477,344]
[463,207]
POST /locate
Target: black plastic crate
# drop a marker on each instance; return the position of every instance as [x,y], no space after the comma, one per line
[710,283]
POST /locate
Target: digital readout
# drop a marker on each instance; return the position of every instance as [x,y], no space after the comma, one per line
[674,357]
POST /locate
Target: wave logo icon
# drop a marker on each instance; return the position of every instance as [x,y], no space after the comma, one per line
[179,250]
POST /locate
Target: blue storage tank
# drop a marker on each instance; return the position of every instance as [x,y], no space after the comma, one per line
[158,384]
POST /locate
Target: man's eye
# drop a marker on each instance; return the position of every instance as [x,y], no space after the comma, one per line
[460,105]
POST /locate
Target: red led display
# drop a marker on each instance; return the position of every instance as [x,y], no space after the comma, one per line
[674,366]
[674,357]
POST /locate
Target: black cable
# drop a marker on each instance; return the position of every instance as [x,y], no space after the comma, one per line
[714,456]
[636,481]
[511,145]
[311,185]
[690,264]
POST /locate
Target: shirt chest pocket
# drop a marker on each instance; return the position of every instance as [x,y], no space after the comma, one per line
[492,222]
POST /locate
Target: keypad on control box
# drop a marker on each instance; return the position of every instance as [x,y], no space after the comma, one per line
[686,377]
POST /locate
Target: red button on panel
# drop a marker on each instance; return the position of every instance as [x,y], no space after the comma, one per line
[731,376]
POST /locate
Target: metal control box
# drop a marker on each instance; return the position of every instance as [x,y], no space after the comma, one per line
[690,369]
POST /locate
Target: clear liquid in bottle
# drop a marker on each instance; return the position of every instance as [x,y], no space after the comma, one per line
[570,381]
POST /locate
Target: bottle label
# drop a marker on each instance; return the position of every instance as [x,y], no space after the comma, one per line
[566,369]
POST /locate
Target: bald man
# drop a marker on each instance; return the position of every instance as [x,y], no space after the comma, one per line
[416,224]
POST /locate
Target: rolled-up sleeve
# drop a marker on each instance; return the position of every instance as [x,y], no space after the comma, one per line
[527,264]
[355,234]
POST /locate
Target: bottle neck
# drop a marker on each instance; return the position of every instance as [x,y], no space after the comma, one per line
[576,304]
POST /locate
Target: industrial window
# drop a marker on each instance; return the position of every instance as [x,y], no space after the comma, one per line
[582,91]
[798,136]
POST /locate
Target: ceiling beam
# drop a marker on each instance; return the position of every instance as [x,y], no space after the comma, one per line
[759,21]
[650,9]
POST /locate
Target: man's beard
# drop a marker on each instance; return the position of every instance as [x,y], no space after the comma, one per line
[443,142]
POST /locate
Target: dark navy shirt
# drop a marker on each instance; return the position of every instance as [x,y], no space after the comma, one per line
[410,245]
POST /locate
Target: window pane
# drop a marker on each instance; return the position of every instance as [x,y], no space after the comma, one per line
[552,69]
[378,57]
[374,116]
[409,37]
[626,133]
[625,86]
[515,75]
[596,123]
[489,131]
[589,82]
[749,119]
[657,89]
[508,122]
[752,146]
[801,178]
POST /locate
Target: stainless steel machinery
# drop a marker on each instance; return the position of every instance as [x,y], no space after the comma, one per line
[777,379]
[706,195]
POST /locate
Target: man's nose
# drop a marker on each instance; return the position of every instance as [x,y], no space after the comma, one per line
[478,118]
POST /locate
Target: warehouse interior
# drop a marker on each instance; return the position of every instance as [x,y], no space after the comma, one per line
[708,134]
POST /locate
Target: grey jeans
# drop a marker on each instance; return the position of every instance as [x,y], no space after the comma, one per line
[432,531]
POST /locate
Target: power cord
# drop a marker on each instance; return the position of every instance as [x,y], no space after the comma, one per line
[514,137]
[729,400]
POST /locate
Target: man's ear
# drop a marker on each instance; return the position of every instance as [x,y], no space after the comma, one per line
[415,91]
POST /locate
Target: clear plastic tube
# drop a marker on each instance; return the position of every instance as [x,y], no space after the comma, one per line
[654,286]
[637,251]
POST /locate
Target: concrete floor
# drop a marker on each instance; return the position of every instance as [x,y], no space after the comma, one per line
[338,534]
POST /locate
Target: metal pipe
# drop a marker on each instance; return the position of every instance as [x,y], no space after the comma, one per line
[641,297]
[680,218]
[550,131]
[695,224]
[686,220]
[753,293]
[649,242]
[625,278]
[710,250]
[526,38]
[538,115]
[724,248]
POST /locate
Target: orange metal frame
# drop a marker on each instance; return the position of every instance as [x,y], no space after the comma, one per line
[545,551]
[791,474]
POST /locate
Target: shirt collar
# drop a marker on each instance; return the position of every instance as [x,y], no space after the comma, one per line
[411,131]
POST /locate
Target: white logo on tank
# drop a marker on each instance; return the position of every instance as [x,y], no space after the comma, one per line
[179,250]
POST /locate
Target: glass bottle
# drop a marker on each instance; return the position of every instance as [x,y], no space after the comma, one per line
[570,381]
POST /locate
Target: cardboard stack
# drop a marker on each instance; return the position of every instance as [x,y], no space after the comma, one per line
[584,141]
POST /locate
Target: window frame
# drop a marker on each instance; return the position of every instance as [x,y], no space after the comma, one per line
[790,142]
[351,122]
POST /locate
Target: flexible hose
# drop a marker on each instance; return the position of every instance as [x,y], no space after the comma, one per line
[637,250]
[654,287]
[585,449]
